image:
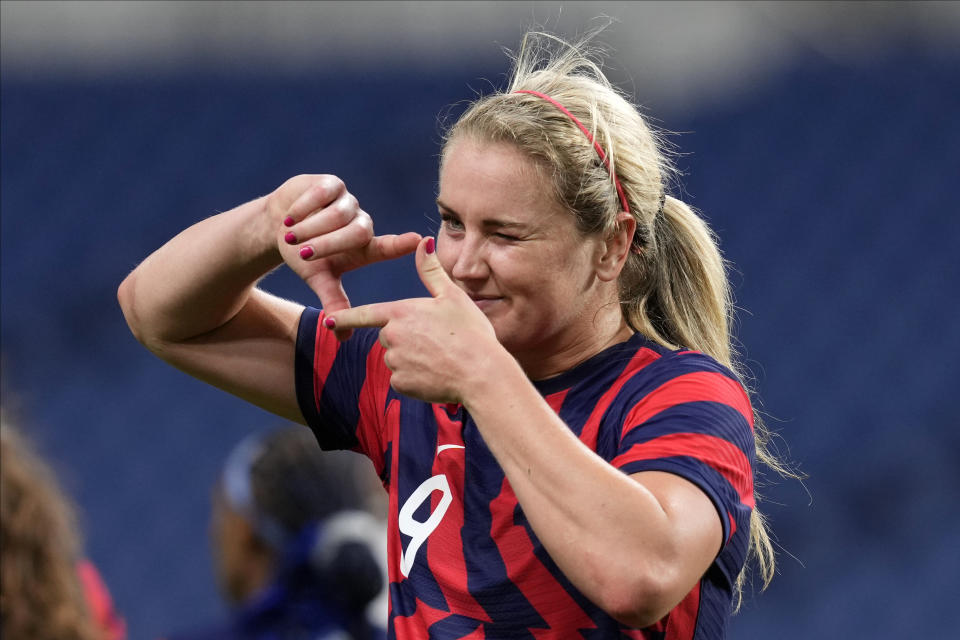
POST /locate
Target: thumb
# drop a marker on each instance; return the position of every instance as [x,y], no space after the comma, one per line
[329,290]
[431,271]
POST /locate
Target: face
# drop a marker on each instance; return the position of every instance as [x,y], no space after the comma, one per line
[228,530]
[516,251]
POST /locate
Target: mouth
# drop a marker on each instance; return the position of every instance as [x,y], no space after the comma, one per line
[484,303]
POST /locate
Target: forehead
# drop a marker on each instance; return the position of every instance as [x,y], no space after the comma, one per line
[487,178]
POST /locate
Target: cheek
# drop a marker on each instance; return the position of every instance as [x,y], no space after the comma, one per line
[446,253]
[545,275]
[225,538]
[553,289]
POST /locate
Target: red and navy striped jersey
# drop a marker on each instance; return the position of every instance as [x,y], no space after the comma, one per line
[464,562]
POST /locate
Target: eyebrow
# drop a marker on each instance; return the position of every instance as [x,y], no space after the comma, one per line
[488,222]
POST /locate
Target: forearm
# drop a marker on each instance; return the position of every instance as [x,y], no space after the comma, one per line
[607,532]
[201,278]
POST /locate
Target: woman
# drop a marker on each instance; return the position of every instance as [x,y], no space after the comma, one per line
[567,447]
[48,590]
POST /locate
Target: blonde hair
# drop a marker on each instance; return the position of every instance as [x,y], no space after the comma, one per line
[41,597]
[673,288]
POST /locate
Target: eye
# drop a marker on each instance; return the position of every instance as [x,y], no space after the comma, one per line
[452,223]
[507,236]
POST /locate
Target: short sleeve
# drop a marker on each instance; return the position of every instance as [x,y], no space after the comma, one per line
[690,416]
[341,386]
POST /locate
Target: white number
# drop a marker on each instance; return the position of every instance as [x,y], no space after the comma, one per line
[420,531]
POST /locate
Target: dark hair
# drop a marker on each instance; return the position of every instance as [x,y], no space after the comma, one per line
[295,483]
[307,505]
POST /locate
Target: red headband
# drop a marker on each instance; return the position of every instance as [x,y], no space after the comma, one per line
[586,132]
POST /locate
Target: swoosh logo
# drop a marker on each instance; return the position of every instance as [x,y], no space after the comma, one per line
[444,447]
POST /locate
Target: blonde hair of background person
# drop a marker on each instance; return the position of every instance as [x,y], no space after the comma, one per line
[556,245]
[41,596]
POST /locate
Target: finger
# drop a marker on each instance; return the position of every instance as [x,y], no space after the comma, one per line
[338,214]
[379,248]
[368,315]
[356,235]
[321,193]
[431,271]
[391,246]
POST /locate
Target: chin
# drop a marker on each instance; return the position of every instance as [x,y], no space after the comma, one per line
[501,328]
[510,340]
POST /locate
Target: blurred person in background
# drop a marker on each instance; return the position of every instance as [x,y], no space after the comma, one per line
[49,590]
[297,555]
[562,424]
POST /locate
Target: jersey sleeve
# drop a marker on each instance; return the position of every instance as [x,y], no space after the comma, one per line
[691,416]
[342,387]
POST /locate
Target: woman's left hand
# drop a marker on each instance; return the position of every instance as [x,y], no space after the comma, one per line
[435,346]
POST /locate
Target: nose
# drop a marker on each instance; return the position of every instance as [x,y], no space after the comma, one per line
[470,262]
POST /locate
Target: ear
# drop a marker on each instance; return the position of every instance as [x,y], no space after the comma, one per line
[616,248]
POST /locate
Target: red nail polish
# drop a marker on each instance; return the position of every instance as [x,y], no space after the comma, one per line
[306,252]
[289,222]
[330,323]
[290,238]
[430,246]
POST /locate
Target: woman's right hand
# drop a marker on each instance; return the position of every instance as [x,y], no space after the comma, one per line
[322,233]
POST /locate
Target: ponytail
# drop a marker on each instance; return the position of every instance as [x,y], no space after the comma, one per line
[675,289]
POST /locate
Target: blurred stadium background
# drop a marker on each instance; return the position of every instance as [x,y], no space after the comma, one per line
[818,138]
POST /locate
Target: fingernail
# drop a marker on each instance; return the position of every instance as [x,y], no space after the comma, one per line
[306,252]
[289,222]
[290,238]
[430,246]
[330,323]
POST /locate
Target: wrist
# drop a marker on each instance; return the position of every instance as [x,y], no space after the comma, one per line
[258,233]
[493,379]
